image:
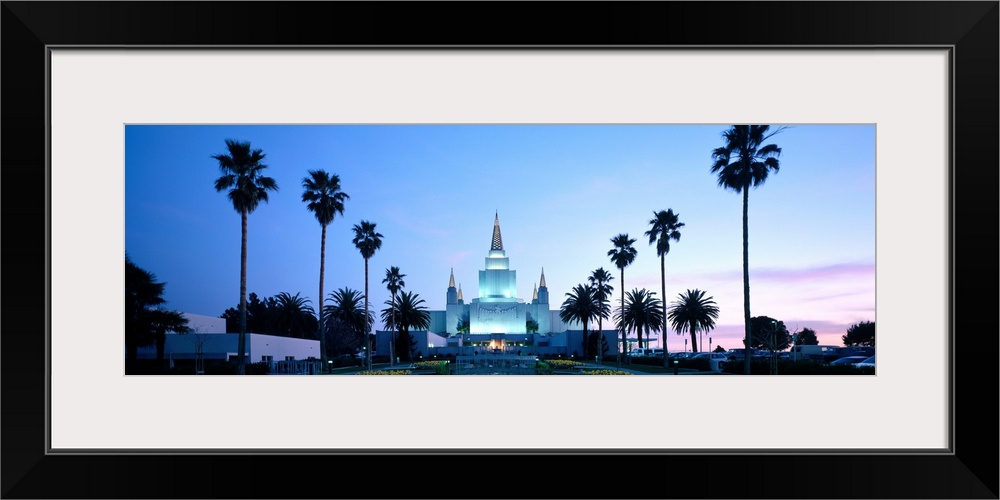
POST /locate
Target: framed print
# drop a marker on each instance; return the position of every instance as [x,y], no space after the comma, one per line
[82,80]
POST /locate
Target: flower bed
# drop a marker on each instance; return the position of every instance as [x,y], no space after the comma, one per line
[563,363]
[604,371]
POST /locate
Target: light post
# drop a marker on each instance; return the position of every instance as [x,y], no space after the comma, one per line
[795,342]
[685,345]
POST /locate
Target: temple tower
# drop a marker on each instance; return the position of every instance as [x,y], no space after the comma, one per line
[497,283]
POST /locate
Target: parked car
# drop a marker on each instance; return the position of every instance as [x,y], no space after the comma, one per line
[825,353]
[719,356]
[734,354]
[867,362]
[857,350]
[848,360]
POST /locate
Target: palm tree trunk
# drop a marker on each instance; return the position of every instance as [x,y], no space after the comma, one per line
[600,340]
[746,284]
[368,344]
[242,343]
[319,311]
[694,338]
[392,341]
[585,339]
[621,324]
[663,291]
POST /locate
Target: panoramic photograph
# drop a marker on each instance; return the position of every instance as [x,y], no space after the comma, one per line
[468,249]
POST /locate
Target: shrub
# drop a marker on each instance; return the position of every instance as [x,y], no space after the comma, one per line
[700,364]
[439,367]
[385,372]
[647,360]
[259,368]
[543,368]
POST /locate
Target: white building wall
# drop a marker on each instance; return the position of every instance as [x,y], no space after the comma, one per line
[205,324]
[221,346]
[280,347]
[558,325]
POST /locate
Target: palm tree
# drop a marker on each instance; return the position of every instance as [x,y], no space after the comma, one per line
[292,315]
[463,324]
[601,281]
[410,314]
[242,175]
[367,241]
[641,312]
[146,322]
[325,200]
[743,161]
[531,326]
[664,227]
[345,309]
[580,305]
[393,282]
[622,255]
[692,312]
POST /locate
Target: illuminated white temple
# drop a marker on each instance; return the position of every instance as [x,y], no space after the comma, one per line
[497,310]
[497,320]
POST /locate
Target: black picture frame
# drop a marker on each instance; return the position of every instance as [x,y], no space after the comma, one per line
[969,28]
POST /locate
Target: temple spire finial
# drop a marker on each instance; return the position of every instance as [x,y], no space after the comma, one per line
[451,280]
[541,282]
[460,292]
[497,241]
[534,292]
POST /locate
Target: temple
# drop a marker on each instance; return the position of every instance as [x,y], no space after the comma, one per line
[497,310]
[497,319]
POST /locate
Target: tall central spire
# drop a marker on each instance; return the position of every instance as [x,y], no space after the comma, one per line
[497,242]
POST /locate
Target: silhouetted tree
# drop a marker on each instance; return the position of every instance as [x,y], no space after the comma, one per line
[325,200]
[580,305]
[345,314]
[745,161]
[862,333]
[664,227]
[807,337]
[292,316]
[622,255]
[146,323]
[531,326]
[769,333]
[693,312]
[367,241]
[642,313]
[411,315]
[600,280]
[394,283]
[246,187]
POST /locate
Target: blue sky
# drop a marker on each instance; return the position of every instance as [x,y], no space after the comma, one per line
[561,192]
